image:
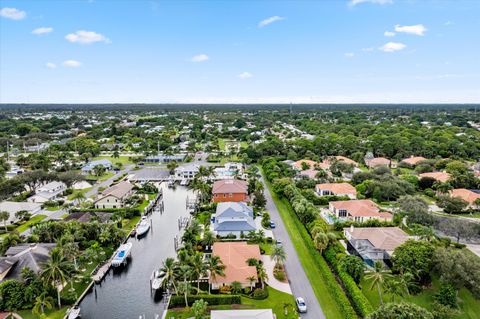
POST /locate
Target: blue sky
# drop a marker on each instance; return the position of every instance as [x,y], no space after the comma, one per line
[385,51]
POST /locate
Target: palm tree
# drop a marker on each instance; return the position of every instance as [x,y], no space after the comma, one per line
[4,216]
[278,255]
[78,197]
[215,268]
[262,274]
[56,271]
[170,269]
[185,287]
[321,241]
[199,268]
[251,280]
[236,287]
[378,277]
[41,302]
[171,166]
[208,238]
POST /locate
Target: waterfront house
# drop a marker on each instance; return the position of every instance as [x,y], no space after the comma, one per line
[164,158]
[233,218]
[234,256]
[359,210]
[115,196]
[231,190]
[186,172]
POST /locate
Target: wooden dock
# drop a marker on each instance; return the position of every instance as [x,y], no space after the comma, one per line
[101,272]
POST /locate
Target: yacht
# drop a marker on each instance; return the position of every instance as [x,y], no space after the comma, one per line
[143,226]
[121,255]
[157,279]
[74,312]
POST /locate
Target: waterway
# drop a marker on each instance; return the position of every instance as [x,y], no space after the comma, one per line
[125,292]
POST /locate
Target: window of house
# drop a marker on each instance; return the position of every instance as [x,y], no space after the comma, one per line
[342,213]
[224,195]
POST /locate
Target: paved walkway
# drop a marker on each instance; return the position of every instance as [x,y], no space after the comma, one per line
[272,281]
[299,282]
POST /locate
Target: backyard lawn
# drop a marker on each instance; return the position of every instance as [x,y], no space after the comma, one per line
[467,302]
[31,221]
[50,314]
[306,252]
[275,301]
[122,159]
[221,144]
[102,178]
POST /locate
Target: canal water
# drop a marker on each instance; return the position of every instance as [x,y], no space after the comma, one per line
[125,292]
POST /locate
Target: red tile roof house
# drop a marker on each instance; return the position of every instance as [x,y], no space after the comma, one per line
[413,160]
[234,256]
[230,190]
[438,176]
[338,189]
[359,210]
[379,161]
[465,194]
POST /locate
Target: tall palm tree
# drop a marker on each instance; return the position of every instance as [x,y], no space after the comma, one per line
[78,197]
[170,269]
[278,255]
[41,302]
[262,274]
[321,241]
[215,268]
[56,271]
[378,276]
[184,287]
[208,238]
[251,280]
[199,268]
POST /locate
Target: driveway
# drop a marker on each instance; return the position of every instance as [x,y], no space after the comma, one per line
[107,182]
[296,274]
[272,281]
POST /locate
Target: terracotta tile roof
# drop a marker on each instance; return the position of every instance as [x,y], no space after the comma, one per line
[310,173]
[346,160]
[387,238]
[230,186]
[298,164]
[361,207]
[465,194]
[414,160]
[377,161]
[439,176]
[234,256]
[338,188]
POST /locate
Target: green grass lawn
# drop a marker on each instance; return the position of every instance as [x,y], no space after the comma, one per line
[268,248]
[53,208]
[243,144]
[30,222]
[128,224]
[467,302]
[50,314]
[122,159]
[275,301]
[102,178]
[305,251]
[84,191]
[221,144]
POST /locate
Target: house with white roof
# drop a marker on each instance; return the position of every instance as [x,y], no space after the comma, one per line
[88,168]
[48,192]
[186,172]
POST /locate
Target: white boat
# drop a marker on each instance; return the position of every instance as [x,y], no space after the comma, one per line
[157,279]
[143,226]
[123,252]
[184,182]
[74,312]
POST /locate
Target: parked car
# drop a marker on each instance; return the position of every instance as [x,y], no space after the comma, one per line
[279,243]
[301,305]
[272,225]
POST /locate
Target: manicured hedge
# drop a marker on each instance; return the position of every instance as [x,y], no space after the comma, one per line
[360,303]
[213,300]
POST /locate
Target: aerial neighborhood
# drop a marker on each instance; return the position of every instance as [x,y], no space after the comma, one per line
[213,201]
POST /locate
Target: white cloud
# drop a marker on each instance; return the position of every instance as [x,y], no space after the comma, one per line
[417,29]
[51,65]
[42,30]
[392,47]
[389,34]
[13,13]
[349,55]
[245,75]
[199,58]
[355,2]
[268,21]
[86,37]
[368,49]
[71,64]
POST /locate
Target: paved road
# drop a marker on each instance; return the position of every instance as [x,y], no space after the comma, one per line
[296,274]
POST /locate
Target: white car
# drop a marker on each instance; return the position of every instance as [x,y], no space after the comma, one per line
[301,305]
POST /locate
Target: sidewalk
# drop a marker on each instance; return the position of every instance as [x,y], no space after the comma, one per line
[272,282]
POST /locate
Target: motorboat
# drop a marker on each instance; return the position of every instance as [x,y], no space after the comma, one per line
[143,227]
[121,255]
[74,312]
[157,279]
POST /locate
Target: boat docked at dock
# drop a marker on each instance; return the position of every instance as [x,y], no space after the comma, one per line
[74,313]
[157,279]
[122,254]
[142,227]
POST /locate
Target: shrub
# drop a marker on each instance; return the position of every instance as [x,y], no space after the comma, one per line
[225,290]
[260,294]
[212,300]
[279,274]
